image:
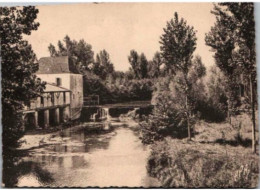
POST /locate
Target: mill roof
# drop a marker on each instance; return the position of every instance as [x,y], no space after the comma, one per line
[55,65]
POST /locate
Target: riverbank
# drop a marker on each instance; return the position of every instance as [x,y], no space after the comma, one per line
[53,135]
[39,137]
[219,156]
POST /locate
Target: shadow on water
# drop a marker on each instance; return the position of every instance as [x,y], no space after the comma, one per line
[14,168]
[81,156]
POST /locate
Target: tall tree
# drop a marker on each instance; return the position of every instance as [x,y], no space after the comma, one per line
[139,64]
[133,60]
[143,63]
[52,50]
[222,40]
[106,62]
[84,53]
[103,67]
[233,40]
[178,42]
[154,66]
[97,68]
[19,83]
[62,49]
[80,53]
[245,54]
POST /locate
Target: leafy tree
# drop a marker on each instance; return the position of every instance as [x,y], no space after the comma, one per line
[52,50]
[19,83]
[80,53]
[103,66]
[222,40]
[190,85]
[214,106]
[169,117]
[143,63]
[84,53]
[177,45]
[129,75]
[154,66]
[133,60]
[62,50]
[139,64]
[97,67]
[195,78]
[245,54]
[106,62]
[165,120]
[233,40]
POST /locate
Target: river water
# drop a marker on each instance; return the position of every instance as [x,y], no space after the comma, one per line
[85,156]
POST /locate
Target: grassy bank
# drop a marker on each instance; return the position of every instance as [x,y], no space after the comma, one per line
[219,156]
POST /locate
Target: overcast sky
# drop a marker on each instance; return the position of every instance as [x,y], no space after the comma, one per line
[119,27]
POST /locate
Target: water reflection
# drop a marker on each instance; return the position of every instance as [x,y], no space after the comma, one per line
[16,169]
[84,157]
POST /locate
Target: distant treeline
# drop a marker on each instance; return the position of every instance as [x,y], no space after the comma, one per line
[100,77]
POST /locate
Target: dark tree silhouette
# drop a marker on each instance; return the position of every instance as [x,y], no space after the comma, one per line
[19,83]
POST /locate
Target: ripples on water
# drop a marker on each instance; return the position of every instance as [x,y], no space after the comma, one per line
[80,157]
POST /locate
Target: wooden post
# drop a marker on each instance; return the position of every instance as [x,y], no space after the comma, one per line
[57,116]
[36,119]
[188,119]
[46,118]
[66,114]
[252,98]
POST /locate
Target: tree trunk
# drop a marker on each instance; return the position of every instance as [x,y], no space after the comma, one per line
[252,99]
[188,119]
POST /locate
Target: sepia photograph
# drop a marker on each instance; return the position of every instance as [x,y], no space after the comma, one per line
[129,95]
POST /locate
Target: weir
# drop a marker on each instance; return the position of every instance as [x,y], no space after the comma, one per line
[101,114]
[106,112]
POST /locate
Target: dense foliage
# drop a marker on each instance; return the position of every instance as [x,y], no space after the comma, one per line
[232,38]
[175,96]
[19,83]
[117,89]
[101,79]
[169,117]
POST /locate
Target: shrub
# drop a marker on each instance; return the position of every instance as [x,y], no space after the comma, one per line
[211,112]
[165,120]
[194,166]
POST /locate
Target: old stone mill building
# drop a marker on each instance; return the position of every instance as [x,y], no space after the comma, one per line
[62,99]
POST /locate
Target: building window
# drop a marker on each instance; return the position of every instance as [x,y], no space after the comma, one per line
[58,81]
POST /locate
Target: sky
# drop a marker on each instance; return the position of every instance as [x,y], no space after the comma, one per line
[119,27]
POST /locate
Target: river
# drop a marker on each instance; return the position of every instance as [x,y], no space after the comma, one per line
[85,156]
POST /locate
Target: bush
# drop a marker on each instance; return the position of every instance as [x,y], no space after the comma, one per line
[165,120]
[211,112]
[194,166]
